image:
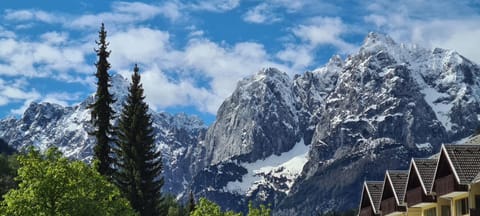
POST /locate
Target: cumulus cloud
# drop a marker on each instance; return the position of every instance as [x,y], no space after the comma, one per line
[39,59]
[28,15]
[261,13]
[171,76]
[62,98]
[121,13]
[324,31]
[15,91]
[214,5]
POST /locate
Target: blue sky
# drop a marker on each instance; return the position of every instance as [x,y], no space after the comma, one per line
[192,53]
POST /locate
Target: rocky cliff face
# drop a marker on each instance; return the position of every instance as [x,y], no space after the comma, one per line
[374,111]
[303,144]
[390,102]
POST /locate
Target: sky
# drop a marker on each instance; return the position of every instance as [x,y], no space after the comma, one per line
[192,53]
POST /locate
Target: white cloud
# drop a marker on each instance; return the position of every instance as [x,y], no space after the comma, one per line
[141,45]
[4,33]
[162,92]
[121,14]
[14,91]
[62,98]
[54,37]
[43,58]
[459,35]
[171,10]
[27,15]
[324,31]
[261,13]
[215,5]
[299,56]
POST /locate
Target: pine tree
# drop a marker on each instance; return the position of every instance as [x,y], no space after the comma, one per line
[139,165]
[191,203]
[102,112]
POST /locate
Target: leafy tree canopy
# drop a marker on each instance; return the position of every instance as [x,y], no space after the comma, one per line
[209,208]
[50,184]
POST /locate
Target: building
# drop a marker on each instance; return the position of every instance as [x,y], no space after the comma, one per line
[418,192]
[371,193]
[391,201]
[448,185]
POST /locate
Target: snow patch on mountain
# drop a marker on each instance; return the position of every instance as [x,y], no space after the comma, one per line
[288,165]
[442,108]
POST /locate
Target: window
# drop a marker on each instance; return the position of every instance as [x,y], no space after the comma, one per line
[462,206]
[430,212]
[477,201]
[445,210]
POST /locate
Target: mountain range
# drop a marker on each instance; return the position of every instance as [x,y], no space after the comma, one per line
[301,144]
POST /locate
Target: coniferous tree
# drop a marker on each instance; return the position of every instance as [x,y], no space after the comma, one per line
[139,165]
[102,112]
[191,202]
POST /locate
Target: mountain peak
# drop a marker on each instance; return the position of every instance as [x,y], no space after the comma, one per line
[374,37]
[335,61]
[376,41]
[270,72]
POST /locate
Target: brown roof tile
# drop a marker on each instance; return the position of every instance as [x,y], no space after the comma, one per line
[375,191]
[398,179]
[465,160]
[426,169]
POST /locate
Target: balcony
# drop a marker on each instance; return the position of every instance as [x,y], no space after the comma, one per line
[474,212]
[366,211]
[388,206]
[448,187]
[417,198]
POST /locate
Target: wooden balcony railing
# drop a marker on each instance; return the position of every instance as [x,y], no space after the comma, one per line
[389,205]
[366,211]
[447,185]
[416,196]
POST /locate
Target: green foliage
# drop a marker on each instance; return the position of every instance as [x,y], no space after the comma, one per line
[53,185]
[209,208]
[8,171]
[102,112]
[172,207]
[206,207]
[138,163]
[262,211]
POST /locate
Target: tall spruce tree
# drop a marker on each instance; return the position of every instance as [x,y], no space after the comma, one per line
[139,165]
[191,202]
[102,112]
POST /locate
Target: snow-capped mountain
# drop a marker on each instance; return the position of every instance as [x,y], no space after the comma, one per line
[349,120]
[303,144]
[45,125]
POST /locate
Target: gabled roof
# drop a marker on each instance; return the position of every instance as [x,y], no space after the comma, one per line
[425,169]
[374,192]
[464,160]
[398,181]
